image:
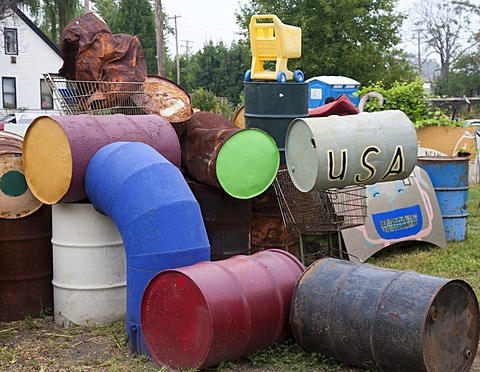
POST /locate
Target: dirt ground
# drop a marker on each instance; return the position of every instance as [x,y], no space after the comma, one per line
[40,345]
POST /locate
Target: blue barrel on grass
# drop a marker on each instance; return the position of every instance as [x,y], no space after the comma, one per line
[156,213]
[449,176]
[385,320]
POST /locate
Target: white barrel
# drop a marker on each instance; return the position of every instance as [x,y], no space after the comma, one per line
[89,266]
[338,151]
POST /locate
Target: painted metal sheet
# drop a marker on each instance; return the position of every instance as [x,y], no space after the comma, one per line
[397,211]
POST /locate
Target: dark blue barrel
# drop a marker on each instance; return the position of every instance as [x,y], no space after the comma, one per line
[155,212]
[385,320]
[449,177]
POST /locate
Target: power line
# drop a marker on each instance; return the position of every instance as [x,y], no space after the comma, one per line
[187,46]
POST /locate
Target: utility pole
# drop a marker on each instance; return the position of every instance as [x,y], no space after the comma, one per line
[86,6]
[186,46]
[177,56]
[419,55]
[160,38]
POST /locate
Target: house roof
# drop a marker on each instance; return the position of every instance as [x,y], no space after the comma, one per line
[37,30]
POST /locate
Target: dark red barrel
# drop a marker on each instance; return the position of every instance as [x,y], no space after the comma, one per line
[26,265]
[57,149]
[200,315]
[385,320]
[227,221]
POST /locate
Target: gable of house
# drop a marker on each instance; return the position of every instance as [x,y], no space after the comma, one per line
[26,53]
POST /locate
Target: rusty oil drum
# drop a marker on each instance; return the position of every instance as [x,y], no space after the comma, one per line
[215,152]
[200,315]
[26,266]
[227,221]
[385,319]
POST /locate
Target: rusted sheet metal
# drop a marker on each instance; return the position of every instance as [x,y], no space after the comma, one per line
[92,53]
[385,320]
[268,229]
[166,98]
[75,36]
[26,265]
[205,133]
[16,199]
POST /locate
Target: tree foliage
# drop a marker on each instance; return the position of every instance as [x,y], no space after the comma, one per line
[409,98]
[53,15]
[217,69]
[446,27]
[354,38]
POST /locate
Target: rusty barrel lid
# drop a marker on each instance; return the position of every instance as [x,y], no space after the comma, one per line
[239,117]
[16,199]
[166,98]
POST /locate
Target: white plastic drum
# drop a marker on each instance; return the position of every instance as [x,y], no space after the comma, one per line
[89,271]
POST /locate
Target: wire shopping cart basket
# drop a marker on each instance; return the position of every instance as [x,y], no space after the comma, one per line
[319,213]
[74,97]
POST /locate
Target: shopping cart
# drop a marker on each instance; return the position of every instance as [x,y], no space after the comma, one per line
[271,40]
[319,215]
[75,97]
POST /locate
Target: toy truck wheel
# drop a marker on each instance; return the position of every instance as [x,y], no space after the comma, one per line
[298,76]
[281,77]
[248,75]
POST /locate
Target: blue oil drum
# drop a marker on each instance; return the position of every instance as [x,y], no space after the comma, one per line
[158,217]
[449,176]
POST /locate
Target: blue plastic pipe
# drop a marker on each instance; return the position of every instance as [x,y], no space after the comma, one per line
[155,212]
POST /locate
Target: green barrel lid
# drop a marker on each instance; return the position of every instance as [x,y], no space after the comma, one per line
[247,163]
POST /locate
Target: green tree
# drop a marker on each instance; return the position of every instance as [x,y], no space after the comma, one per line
[409,98]
[218,69]
[52,15]
[136,18]
[464,77]
[354,38]
[446,27]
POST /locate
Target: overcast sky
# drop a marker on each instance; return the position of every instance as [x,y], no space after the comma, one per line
[205,20]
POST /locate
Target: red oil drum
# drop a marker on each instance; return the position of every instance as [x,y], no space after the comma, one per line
[200,315]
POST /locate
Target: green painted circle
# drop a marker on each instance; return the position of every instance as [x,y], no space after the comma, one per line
[247,163]
[13,183]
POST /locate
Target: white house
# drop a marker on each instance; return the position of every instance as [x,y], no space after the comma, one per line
[25,54]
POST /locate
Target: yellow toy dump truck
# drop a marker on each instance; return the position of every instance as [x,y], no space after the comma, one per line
[271,40]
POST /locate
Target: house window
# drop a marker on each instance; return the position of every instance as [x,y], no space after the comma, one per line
[46,98]
[9,92]
[11,41]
